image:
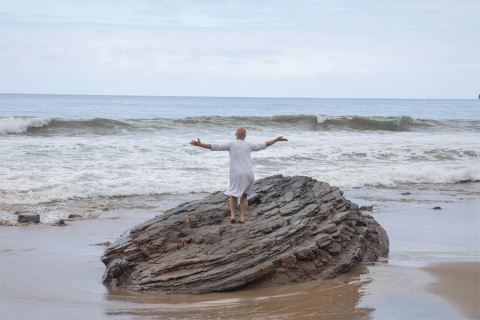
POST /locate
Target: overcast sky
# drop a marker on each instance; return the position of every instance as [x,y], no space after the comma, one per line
[259,48]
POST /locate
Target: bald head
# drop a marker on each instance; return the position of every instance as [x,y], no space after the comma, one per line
[241,133]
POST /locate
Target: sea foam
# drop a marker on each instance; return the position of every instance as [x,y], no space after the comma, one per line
[21,124]
[149,182]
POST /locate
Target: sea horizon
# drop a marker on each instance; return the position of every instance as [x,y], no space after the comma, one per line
[221,97]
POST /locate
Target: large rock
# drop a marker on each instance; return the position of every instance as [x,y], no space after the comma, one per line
[297,229]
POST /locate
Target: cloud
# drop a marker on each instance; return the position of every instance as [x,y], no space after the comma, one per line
[300,48]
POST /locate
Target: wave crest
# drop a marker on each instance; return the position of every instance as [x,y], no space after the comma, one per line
[102,126]
[328,123]
[42,126]
[400,123]
[21,124]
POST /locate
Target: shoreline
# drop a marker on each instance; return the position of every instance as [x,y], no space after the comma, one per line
[53,273]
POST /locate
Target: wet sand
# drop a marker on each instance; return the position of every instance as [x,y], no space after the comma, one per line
[55,273]
[459,283]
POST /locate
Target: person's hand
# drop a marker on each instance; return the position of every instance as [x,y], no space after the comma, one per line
[281,138]
[196,142]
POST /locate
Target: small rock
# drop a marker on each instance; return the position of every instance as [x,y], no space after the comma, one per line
[74,216]
[59,223]
[106,244]
[106,209]
[437,208]
[405,193]
[27,217]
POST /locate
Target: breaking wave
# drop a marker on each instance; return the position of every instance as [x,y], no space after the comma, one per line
[102,126]
[326,123]
[21,124]
[40,126]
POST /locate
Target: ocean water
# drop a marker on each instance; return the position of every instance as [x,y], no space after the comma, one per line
[63,154]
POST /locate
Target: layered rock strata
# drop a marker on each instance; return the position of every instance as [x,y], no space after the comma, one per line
[297,229]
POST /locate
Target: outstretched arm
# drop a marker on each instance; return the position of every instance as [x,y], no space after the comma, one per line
[281,138]
[198,143]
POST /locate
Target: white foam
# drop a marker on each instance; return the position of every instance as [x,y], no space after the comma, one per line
[143,185]
[394,176]
[178,182]
[21,124]
[321,118]
[106,166]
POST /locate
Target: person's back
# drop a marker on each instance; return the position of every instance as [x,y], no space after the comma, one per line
[241,171]
[240,152]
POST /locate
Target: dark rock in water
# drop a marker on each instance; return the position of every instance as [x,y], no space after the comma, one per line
[297,229]
[366,208]
[104,244]
[437,208]
[59,223]
[406,193]
[28,217]
[74,216]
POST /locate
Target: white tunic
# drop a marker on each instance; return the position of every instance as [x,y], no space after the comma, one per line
[241,170]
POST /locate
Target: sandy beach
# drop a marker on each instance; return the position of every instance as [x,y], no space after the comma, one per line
[432,273]
[458,282]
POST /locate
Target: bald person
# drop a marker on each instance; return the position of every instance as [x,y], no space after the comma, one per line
[241,170]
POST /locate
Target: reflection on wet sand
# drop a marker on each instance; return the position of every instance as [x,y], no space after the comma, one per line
[332,299]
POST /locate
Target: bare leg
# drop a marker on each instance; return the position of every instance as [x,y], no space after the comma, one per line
[233,207]
[243,207]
